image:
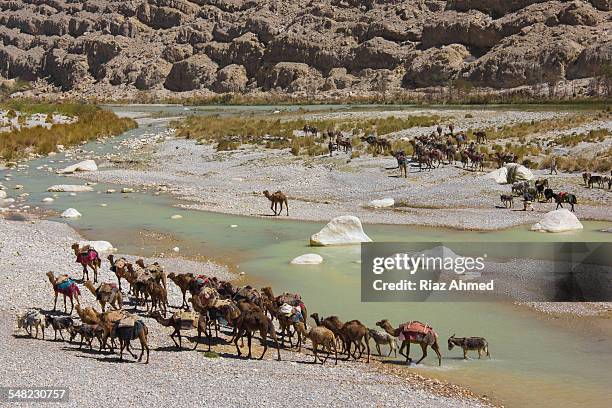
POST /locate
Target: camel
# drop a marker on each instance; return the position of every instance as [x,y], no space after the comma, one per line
[182,280]
[88,257]
[29,319]
[203,322]
[156,271]
[66,286]
[87,315]
[178,321]
[334,324]
[256,321]
[430,338]
[289,316]
[159,296]
[277,198]
[87,332]
[353,332]
[271,303]
[119,266]
[319,335]
[106,293]
[106,322]
[126,334]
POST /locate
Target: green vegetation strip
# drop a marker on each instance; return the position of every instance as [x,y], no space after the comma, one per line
[93,122]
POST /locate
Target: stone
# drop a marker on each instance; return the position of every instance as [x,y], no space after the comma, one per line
[86,165]
[67,188]
[307,259]
[47,200]
[176,217]
[561,220]
[342,230]
[100,246]
[382,203]
[70,213]
[521,173]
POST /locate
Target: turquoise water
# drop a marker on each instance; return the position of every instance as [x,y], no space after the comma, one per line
[537,361]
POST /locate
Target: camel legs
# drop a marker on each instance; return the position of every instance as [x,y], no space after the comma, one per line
[129,349]
[406,344]
[65,308]
[249,335]
[239,336]
[55,302]
[264,341]
[143,346]
[174,333]
[436,348]
[273,207]
[378,349]
[424,348]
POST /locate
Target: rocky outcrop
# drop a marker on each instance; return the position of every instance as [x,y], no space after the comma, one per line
[325,45]
[436,66]
[307,259]
[195,72]
[86,165]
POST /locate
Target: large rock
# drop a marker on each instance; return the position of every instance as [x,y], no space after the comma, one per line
[100,246]
[195,72]
[292,77]
[343,230]
[2,194]
[435,66]
[558,221]
[307,259]
[517,172]
[70,213]
[86,165]
[382,203]
[69,188]
[232,78]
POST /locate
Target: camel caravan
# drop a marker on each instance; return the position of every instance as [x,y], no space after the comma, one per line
[244,312]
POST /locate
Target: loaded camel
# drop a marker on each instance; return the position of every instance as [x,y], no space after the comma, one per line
[66,286]
[320,335]
[119,266]
[106,293]
[87,315]
[413,332]
[126,334]
[178,321]
[277,198]
[88,257]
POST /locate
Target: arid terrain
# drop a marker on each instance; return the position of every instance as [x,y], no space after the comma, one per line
[109,50]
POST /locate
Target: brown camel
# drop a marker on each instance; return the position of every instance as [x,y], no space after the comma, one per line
[156,271]
[250,322]
[106,293]
[88,257]
[353,333]
[182,280]
[107,321]
[334,324]
[320,335]
[203,322]
[178,321]
[119,266]
[64,285]
[158,295]
[271,303]
[87,315]
[430,338]
[277,198]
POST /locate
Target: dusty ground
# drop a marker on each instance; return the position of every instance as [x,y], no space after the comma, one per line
[320,188]
[188,377]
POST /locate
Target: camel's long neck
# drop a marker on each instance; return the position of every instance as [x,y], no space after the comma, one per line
[391,331]
[317,320]
[91,287]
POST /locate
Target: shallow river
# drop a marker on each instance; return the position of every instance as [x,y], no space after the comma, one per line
[536,360]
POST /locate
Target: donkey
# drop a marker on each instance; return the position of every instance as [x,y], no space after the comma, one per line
[507,200]
[59,323]
[470,343]
[565,198]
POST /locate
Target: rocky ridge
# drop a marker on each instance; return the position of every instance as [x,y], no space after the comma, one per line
[333,46]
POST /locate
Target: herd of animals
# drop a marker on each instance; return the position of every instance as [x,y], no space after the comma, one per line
[245,310]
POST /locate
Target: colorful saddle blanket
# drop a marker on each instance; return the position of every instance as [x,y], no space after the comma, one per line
[88,256]
[68,288]
[415,331]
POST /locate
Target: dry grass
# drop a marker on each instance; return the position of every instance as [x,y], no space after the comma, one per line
[524,129]
[93,122]
[275,132]
[600,163]
[592,136]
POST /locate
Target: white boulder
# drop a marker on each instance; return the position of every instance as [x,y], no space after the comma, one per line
[86,165]
[382,203]
[69,188]
[100,246]
[307,259]
[70,213]
[2,194]
[521,173]
[176,217]
[47,200]
[343,230]
[558,221]
[127,190]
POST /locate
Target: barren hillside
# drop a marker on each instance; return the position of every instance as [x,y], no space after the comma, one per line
[101,46]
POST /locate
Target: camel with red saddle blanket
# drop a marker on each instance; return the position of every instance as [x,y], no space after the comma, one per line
[88,257]
[413,332]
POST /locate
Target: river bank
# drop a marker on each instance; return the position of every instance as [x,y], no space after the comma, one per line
[88,375]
